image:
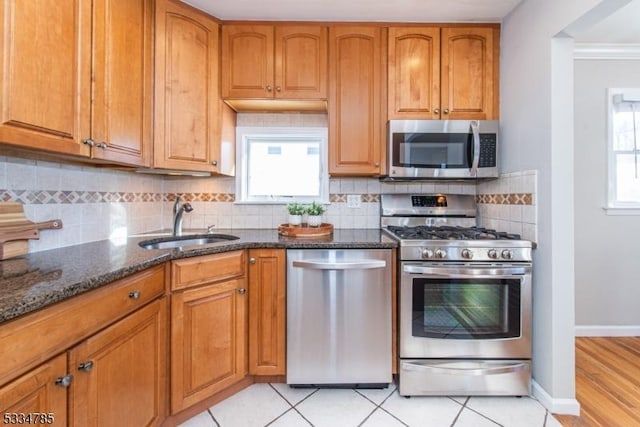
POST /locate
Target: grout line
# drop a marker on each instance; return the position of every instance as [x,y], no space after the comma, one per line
[381,408]
[294,406]
[473,410]
[455,420]
[213,418]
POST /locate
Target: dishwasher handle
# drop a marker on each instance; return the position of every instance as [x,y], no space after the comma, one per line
[364,264]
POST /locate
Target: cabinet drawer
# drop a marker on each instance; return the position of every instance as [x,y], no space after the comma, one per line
[186,273]
[34,338]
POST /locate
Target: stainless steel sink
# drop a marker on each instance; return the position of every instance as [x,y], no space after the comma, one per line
[184,241]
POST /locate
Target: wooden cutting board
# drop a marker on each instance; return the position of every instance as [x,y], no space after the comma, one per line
[16,230]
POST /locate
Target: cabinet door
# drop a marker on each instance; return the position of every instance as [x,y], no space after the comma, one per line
[414,73]
[208,341]
[356,81]
[36,391]
[45,74]
[469,73]
[121,122]
[186,82]
[247,61]
[267,311]
[300,62]
[120,373]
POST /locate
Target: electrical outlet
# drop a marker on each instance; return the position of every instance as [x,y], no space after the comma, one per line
[353,201]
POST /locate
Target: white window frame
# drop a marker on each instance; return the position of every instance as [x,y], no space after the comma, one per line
[615,207]
[243,134]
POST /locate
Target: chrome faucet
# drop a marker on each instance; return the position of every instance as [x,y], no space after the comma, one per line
[178,209]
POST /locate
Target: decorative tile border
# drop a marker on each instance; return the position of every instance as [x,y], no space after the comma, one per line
[505,199]
[365,198]
[47,197]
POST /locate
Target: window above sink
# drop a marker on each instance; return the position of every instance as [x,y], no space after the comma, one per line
[281,165]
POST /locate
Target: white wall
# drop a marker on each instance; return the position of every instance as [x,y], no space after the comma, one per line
[607,250]
[537,126]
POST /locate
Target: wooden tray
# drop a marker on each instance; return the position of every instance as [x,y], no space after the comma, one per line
[304,230]
[16,230]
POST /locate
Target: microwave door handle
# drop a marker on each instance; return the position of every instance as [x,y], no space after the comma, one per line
[476,148]
[471,273]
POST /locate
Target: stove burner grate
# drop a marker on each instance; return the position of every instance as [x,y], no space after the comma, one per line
[426,232]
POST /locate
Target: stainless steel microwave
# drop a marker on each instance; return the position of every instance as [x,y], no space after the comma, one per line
[443,149]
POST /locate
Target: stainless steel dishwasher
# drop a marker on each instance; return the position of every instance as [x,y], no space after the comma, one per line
[339,317]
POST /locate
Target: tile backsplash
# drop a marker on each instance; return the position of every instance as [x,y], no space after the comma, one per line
[510,204]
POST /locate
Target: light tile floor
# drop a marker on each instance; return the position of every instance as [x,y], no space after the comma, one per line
[279,405]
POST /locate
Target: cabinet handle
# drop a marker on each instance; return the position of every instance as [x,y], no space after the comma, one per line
[268,88]
[102,145]
[90,142]
[278,88]
[436,111]
[64,381]
[134,294]
[446,111]
[86,366]
[376,164]
[252,260]
[214,162]
[242,291]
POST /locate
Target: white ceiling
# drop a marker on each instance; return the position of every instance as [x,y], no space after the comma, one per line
[359,10]
[621,27]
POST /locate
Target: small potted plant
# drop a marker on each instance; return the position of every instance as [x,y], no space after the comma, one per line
[314,214]
[296,211]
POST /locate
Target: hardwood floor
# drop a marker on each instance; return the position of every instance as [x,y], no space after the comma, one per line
[607,382]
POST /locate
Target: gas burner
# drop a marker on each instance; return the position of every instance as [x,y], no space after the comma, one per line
[443,232]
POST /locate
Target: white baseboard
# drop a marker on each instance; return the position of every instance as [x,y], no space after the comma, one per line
[607,331]
[555,406]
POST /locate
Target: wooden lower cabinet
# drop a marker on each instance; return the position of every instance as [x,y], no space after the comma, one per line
[116,375]
[37,392]
[208,341]
[120,373]
[267,311]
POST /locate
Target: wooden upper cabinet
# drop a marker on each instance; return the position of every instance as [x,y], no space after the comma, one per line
[356,100]
[443,73]
[469,73]
[122,107]
[414,72]
[187,103]
[266,62]
[45,74]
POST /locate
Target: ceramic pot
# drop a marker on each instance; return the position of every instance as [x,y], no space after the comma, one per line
[295,220]
[314,220]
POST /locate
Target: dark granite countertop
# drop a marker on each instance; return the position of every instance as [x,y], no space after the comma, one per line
[43,278]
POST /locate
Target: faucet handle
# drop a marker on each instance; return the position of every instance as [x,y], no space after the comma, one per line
[210,228]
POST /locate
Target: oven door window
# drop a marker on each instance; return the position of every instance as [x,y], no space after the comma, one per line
[466,308]
[433,150]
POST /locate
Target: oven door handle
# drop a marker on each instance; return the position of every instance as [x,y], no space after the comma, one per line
[464,272]
[452,370]
[476,149]
[353,265]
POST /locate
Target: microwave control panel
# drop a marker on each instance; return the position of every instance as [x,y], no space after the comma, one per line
[487,150]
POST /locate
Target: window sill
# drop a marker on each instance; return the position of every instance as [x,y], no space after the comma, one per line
[619,211]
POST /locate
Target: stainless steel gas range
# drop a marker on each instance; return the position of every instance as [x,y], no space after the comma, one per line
[465,299]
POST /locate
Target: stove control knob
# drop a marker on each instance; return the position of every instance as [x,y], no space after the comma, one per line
[466,253]
[493,254]
[441,253]
[427,253]
[507,254]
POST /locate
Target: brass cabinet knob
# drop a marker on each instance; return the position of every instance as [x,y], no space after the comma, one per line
[242,291]
[268,88]
[436,111]
[252,260]
[446,111]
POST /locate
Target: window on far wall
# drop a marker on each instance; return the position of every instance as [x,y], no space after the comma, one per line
[281,165]
[624,150]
